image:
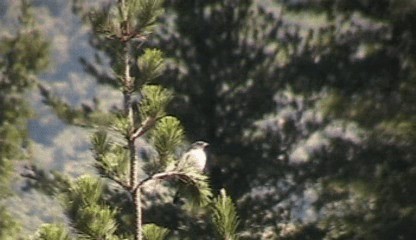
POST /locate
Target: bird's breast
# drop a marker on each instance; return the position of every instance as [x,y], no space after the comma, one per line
[199,157]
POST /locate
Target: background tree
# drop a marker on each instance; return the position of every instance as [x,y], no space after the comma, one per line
[346,120]
[23,55]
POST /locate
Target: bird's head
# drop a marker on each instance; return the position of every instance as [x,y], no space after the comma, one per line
[199,144]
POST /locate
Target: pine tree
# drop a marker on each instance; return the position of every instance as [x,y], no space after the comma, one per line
[112,207]
[347,123]
[23,55]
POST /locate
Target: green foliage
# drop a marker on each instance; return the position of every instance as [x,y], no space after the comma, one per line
[9,228]
[154,232]
[194,186]
[117,162]
[150,65]
[96,222]
[84,191]
[147,12]
[401,129]
[84,206]
[122,125]
[100,142]
[113,162]
[10,151]
[105,21]
[84,116]
[154,102]
[225,217]
[23,55]
[52,232]
[50,183]
[130,19]
[166,137]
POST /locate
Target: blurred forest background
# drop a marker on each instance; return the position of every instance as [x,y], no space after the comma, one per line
[309,107]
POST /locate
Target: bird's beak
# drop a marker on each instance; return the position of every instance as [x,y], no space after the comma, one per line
[206,144]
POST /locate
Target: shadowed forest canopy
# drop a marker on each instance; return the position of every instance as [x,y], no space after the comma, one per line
[309,108]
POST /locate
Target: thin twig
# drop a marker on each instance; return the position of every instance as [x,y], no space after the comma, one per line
[119,182]
[148,124]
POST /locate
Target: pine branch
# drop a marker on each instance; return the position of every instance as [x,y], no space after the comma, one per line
[150,65]
[196,181]
[84,207]
[122,184]
[102,77]
[225,217]
[162,176]
[49,183]
[146,126]
[111,158]
[52,232]
[154,102]
[86,116]
[166,137]
[154,232]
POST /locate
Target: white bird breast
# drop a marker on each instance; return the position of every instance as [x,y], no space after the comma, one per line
[198,158]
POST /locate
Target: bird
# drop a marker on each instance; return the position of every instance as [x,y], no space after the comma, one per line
[195,157]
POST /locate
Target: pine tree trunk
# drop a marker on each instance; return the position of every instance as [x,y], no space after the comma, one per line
[134,164]
[138,206]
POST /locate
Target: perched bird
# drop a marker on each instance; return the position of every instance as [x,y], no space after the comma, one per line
[195,157]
